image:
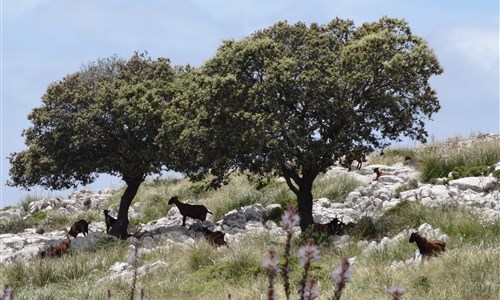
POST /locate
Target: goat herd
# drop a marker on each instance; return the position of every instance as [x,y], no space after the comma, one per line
[426,247]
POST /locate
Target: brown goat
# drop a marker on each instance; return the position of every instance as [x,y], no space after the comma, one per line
[427,247]
[187,210]
[79,226]
[379,173]
[354,155]
[109,220]
[215,238]
[58,251]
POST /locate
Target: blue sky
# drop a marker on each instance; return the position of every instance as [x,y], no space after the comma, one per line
[44,40]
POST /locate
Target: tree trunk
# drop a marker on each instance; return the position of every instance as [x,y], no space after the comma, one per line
[302,188]
[305,204]
[120,227]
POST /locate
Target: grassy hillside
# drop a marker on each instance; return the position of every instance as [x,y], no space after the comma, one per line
[469,269]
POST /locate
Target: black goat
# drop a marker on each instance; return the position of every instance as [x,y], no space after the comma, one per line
[188,210]
[79,226]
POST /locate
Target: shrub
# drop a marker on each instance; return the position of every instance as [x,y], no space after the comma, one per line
[15,226]
[274,215]
[364,229]
[37,217]
[320,238]
[406,214]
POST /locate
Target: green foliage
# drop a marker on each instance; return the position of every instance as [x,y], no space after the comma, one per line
[320,238]
[273,97]
[37,217]
[274,214]
[364,229]
[15,226]
[101,119]
[279,193]
[496,174]
[469,171]
[198,188]
[406,214]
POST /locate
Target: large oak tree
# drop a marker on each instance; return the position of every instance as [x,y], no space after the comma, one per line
[101,119]
[289,100]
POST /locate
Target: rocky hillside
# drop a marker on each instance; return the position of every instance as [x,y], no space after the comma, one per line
[370,199]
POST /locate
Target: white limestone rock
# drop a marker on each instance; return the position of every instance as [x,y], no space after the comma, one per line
[477,184]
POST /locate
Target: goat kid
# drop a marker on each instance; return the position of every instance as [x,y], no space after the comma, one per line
[79,226]
[58,251]
[427,247]
[215,238]
[379,173]
[109,220]
[198,211]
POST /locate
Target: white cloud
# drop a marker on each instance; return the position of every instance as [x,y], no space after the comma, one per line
[478,45]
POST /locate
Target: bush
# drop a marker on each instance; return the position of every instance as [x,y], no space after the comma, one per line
[365,229]
[37,217]
[15,226]
[406,214]
[274,215]
[320,238]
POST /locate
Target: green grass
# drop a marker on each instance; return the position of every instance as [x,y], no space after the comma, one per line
[334,188]
[440,159]
[393,155]
[469,269]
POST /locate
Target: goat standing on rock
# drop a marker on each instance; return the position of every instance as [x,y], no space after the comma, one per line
[427,247]
[187,210]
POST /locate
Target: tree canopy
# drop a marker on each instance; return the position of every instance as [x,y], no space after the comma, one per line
[102,119]
[286,101]
[290,100]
